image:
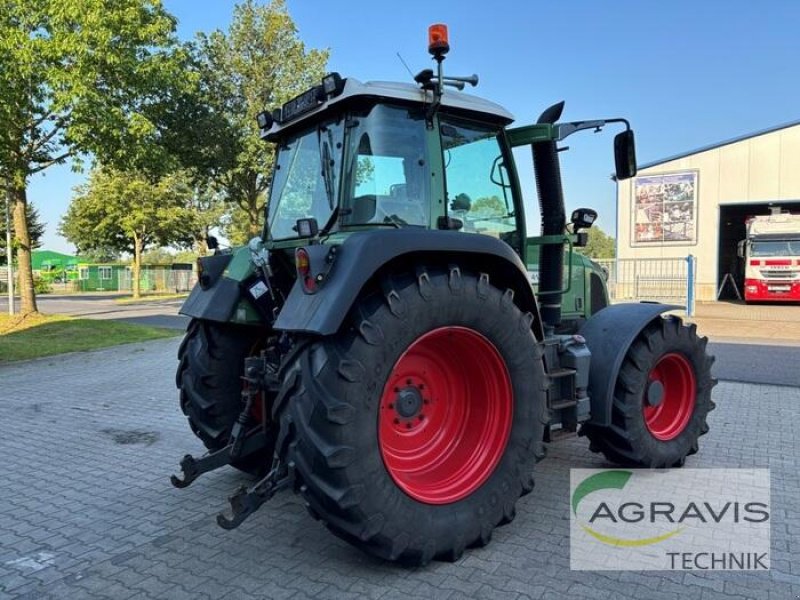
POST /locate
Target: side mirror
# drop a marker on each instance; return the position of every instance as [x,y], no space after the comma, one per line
[740,249]
[212,242]
[625,155]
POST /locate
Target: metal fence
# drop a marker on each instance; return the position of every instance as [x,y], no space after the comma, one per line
[4,280]
[660,279]
[159,279]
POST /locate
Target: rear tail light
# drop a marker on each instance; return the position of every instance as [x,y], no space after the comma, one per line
[303,265]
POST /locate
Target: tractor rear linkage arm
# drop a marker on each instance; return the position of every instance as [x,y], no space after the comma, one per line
[247,501]
[194,467]
[257,378]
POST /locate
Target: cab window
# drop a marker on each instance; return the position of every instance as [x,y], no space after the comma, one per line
[387,169]
[478,184]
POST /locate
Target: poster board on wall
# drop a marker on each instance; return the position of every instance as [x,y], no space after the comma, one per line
[665,209]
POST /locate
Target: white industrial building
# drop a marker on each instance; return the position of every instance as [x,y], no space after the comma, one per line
[696,203]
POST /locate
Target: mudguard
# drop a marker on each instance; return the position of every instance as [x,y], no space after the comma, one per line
[214,296]
[609,333]
[363,254]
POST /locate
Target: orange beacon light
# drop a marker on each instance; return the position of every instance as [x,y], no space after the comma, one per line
[437,39]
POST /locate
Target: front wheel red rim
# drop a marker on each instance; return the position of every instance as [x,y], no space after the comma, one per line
[670,397]
[445,415]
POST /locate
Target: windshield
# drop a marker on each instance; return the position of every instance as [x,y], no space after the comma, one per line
[776,248]
[305,180]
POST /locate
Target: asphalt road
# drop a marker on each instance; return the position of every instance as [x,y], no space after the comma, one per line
[755,363]
[747,363]
[156,313]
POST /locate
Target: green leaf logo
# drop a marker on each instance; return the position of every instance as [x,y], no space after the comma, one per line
[599,481]
[608,480]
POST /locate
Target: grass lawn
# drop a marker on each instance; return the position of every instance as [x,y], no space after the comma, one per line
[33,336]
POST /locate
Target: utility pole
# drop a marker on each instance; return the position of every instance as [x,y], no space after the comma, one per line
[9,256]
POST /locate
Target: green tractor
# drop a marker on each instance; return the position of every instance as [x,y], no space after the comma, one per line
[396,349]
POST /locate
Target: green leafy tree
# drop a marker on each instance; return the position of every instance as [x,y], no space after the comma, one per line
[186,256]
[236,226]
[35,228]
[259,63]
[208,209]
[600,245]
[100,255]
[158,256]
[80,77]
[128,212]
[488,206]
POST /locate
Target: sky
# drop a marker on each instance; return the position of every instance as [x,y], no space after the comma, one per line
[685,73]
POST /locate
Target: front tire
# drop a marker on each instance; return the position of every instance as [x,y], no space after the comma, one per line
[415,429]
[662,398]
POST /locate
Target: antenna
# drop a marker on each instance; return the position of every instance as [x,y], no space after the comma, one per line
[405,65]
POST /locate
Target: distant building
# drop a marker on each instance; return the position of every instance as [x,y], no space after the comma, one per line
[44,259]
[55,267]
[697,202]
[85,276]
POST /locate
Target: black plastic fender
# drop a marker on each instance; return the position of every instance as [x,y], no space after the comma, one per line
[214,296]
[609,333]
[363,254]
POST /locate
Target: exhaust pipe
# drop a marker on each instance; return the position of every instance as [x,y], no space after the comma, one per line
[551,202]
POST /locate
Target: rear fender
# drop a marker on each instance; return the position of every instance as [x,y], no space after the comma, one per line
[365,256]
[609,333]
[218,294]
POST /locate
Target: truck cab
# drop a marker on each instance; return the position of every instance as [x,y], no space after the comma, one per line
[771,254]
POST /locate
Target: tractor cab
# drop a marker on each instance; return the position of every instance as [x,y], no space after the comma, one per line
[371,155]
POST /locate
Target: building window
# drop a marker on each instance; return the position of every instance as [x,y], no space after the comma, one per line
[83,272]
[105,272]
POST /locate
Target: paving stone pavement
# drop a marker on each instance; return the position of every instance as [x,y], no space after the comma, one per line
[86,509]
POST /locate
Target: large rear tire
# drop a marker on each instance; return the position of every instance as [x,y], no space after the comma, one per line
[415,429]
[661,399]
[211,362]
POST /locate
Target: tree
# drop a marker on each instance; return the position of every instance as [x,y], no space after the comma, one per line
[488,206]
[158,256]
[79,77]
[259,63]
[99,255]
[207,209]
[600,245]
[237,226]
[128,212]
[35,228]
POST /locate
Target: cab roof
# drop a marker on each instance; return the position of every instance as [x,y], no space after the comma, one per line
[403,92]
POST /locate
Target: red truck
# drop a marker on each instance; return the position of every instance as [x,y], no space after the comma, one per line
[771,254]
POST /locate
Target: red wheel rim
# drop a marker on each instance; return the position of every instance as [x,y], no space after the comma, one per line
[445,415]
[670,396]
